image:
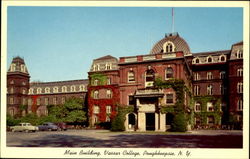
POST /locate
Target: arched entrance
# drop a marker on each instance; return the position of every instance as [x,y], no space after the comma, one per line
[131,121]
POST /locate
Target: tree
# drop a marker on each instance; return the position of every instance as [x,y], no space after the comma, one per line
[73,111]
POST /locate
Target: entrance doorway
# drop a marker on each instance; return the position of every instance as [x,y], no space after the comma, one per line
[150,121]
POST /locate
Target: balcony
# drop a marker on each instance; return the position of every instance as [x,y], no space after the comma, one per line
[149,93]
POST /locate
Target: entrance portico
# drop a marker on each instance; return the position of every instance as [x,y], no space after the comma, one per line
[148,109]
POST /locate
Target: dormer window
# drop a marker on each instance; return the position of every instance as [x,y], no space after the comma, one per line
[39,90]
[209,59]
[55,89]
[222,58]
[82,88]
[168,47]
[96,67]
[47,90]
[64,89]
[239,54]
[22,68]
[72,88]
[108,66]
[197,61]
[13,67]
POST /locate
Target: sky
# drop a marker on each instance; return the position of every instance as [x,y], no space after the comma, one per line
[60,43]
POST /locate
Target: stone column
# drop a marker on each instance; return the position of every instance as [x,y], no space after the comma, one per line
[141,121]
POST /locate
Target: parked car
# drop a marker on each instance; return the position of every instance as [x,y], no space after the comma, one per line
[27,127]
[62,126]
[48,127]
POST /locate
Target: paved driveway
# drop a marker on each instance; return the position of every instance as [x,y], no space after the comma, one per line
[102,138]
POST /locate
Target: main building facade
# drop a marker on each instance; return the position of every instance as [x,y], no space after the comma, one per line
[212,85]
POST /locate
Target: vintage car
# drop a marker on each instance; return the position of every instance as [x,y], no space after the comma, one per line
[48,127]
[27,127]
[61,126]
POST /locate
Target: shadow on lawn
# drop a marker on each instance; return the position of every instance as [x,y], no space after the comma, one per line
[138,141]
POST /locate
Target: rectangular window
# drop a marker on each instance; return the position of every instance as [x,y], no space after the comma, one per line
[196,90]
[46,101]
[108,109]
[11,100]
[38,101]
[209,75]
[210,120]
[131,76]
[131,100]
[210,107]
[170,98]
[54,101]
[63,100]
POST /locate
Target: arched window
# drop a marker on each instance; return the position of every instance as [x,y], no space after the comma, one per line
[23,68]
[64,88]
[73,88]
[96,67]
[108,109]
[55,90]
[168,47]
[209,75]
[11,90]
[13,67]
[96,94]
[39,90]
[222,75]
[209,59]
[109,94]
[240,87]
[197,107]
[222,58]
[108,66]
[47,90]
[150,77]
[24,91]
[197,61]
[96,109]
[131,76]
[239,54]
[240,105]
[107,119]
[210,90]
[82,88]
[240,72]
[222,89]
[12,112]
[169,73]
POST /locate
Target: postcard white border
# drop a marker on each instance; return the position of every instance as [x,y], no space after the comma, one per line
[11,152]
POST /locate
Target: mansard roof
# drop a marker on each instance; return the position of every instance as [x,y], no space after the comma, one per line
[60,83]
[179,43]
[212,53]
[105,58]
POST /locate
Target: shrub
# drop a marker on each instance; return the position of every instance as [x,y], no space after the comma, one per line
[118,123]
[179,123]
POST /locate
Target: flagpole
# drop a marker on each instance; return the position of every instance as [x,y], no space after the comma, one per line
[172,20]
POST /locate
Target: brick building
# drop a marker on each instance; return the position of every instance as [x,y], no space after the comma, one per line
[214,79]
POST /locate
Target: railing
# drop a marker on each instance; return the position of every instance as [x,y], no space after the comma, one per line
[148,91]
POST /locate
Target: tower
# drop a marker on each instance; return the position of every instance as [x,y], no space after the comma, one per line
[17,87]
